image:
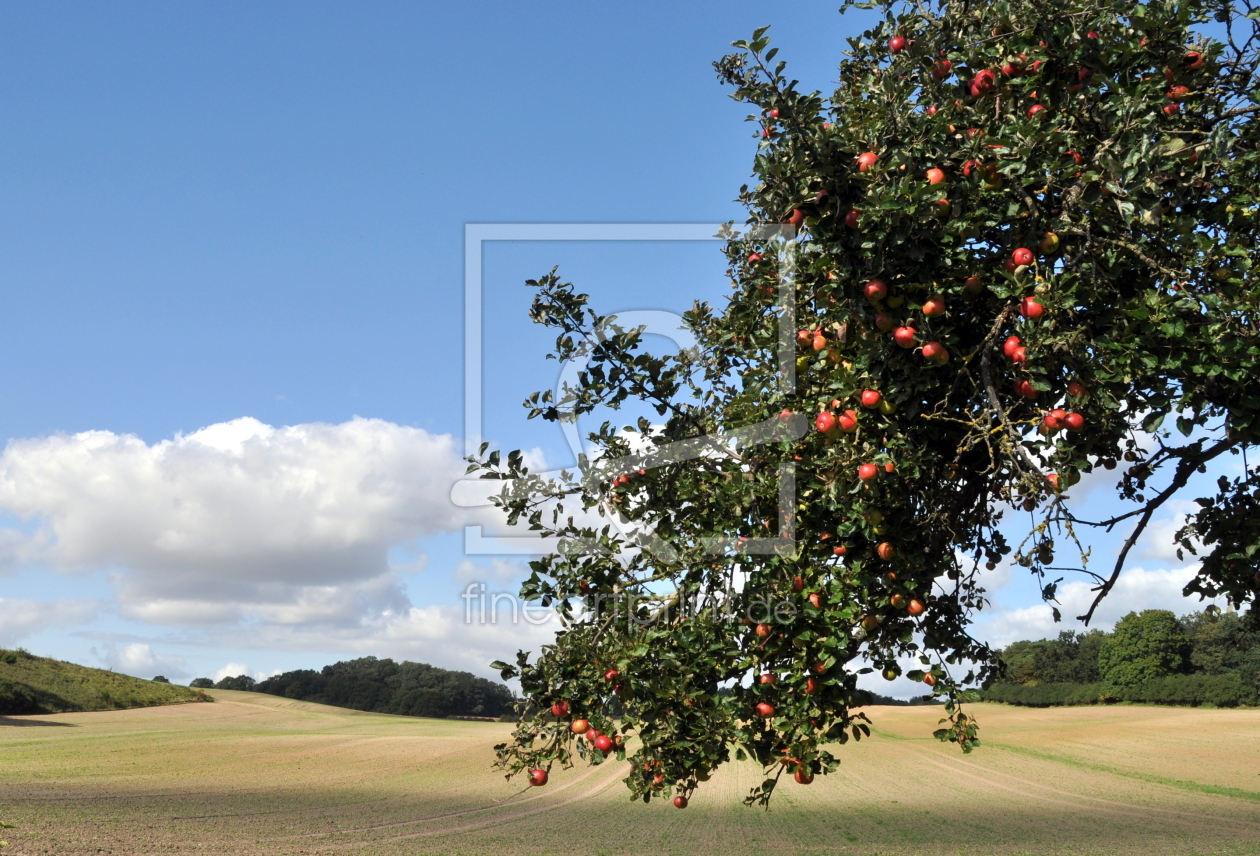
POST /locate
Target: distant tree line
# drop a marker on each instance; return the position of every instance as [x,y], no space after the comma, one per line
[383,686]
[1152,656]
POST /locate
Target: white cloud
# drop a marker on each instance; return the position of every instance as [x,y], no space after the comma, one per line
[1136,590]
[22,618]
[231,670]
[138,659]
[292,525]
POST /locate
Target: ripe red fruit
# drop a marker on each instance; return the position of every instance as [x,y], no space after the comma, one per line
[1025,388]
[904,336]
[889,467]
[885,550]
[1170,109]
[611,675]
[931,110]
[853,218]
[1074,421]
[915,607]
[871,398]
[538,778]
[897,601]
[1009,346]
[798,584]
[580,726]
[929,679]
[848,422]
[1022,256]
[803,777]
[1020,355]
[934,305]
[896,45]
[796,218]
[935,176]
[680,801]
[1076,389]
[868,471]
[825,422]
[768,678]
[1031,308]
[803,337]
[875,290]
[983,82]
[819,342]
[765,709]
[941,69]
[811,686]
[815,600]
[1179,93]
[1051,422]
[936,351]
[754,257]
[560,709]
[866,160]
[1193,59]
[604,743]
[1076,157]
[840,550]
[973,285]
[884,322]
[968,166]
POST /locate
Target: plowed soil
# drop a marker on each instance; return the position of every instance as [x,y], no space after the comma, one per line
[256,774]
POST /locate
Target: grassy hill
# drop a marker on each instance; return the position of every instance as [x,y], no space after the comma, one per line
[30,684]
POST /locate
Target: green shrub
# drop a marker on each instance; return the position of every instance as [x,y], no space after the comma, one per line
[16,698]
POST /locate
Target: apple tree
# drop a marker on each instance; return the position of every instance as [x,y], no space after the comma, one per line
[1015,245]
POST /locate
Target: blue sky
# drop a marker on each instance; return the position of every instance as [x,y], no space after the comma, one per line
[230,230]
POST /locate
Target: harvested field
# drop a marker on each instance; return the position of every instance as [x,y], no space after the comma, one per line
[257,774]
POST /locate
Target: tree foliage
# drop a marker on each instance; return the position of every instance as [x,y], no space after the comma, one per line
[383,686]
[1017,246]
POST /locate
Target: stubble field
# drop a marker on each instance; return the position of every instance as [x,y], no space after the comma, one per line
[255,774]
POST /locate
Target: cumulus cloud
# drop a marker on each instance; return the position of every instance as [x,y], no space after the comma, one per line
[22,618]
[1136,590]
[292,525]
[139,660]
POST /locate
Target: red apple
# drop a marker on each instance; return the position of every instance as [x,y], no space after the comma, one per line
[972,286]
[1051,422]
[768,678]
[560,709]
[811,686]
[885,550]
[1031,308]
[897,601]
[847,422]
[803,777]
[1074,421]
[1179,93]
[1076,157]
[819,342]
[580,726]
[896,45]
[915,607]
[1022,256]
[798,584]
[968,166]
[611,675]
[815,600]
[890,467]
[840,550]
[853,219]
[1170,109]
[884,322]
[904,336]
[1019,355]
[867,471]
[538,778]
[1076,389]
[931,110]
[1009,346]
[935,175]
[804,337]
[936,351]
[871,398]
[1193,59]
[942,69]
[983,82]
[754,258]
[875,290]
[763,630]
[929,679]
[1025,388]
[604,743]
[866,160]
[934,305]
[825,422]
[680,801]
[796,218]
[765,709]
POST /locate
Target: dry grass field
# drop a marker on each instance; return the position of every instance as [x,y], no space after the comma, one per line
[255,774]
